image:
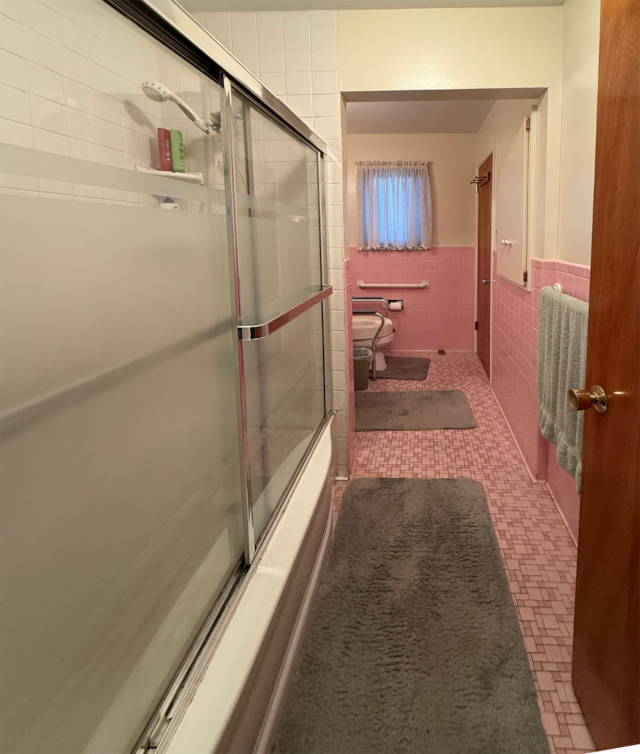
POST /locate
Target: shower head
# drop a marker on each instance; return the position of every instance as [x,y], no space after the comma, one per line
[160,93]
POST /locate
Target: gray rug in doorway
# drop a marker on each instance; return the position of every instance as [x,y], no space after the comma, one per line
[421,409]
[405,368]
[413,644]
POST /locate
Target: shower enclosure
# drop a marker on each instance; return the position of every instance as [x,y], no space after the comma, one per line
[164,356]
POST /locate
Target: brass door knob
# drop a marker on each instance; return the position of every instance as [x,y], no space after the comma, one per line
[580,400]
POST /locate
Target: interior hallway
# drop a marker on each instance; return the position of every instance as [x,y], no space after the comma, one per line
[538,553]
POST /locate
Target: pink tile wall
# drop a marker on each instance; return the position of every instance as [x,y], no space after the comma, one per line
[441,316]
[514,369]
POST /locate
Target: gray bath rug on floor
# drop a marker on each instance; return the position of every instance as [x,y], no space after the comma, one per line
[413,644]
[405,368]
[423,409]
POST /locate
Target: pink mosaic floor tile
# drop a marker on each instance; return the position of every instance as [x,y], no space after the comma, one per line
[538,552]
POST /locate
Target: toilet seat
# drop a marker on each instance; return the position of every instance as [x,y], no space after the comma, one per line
[365,327]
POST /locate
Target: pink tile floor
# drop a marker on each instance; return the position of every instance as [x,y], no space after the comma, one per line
[539,555]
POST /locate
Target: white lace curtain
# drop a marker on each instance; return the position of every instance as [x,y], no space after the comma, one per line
[394,205]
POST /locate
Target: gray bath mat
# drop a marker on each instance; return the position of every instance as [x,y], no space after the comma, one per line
[423,409]
[413,645]
[405,368]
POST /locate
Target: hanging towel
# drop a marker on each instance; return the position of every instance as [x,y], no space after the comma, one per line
[562,365]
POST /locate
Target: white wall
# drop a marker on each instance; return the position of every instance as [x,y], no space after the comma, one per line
[462,48]
[452,169]
[580,40]
[502,134]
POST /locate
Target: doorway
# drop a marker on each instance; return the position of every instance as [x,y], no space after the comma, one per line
[483,320]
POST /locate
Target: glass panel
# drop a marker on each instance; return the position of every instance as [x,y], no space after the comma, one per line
[276,178]
[285,405]
[278,221]
[121,515]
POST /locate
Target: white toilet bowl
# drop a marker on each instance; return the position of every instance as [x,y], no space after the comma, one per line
[365,326]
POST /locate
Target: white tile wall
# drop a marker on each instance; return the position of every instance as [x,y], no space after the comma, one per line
[294,53]
[70,76]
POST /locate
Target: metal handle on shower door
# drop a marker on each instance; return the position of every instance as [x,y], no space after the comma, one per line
[484,282]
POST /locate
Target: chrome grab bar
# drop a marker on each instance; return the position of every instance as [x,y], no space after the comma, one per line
[422,285]
[372,300]
[264,329]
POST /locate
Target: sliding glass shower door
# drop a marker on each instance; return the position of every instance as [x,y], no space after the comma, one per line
[278,234]
[162,361]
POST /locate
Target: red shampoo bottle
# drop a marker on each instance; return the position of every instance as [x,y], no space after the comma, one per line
[164,148]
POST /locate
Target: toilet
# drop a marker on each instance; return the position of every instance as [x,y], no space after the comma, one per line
[365,326]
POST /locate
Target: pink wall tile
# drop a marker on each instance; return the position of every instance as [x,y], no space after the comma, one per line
[514,357]
[441,316]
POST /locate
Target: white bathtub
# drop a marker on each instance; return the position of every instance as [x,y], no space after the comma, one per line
[236,707]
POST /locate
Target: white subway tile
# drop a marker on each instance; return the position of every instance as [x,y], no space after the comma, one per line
[334,217]
[83,150]
[15,104]
[83,126]
[242,19]
[19,182]
[298,83]
[274,81]
[335,237]
[271,61]
[33,15]
[108,108]
[221,33]
[14,71]
[301,105]
[48,141]
[324,59]
[325,105]
[215,21]
[47,84]
[269,18]
[49,115]
[249,59]
[270,38]
[296,37]
[80,97]
[110,135]
[12,132]
[245,37]
[334,194]
[298,60]
[327,128]
[296,18]
[26,43]
[322,17]
[323,36]
[324,82]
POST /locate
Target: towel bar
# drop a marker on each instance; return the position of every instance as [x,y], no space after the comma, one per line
[362,284]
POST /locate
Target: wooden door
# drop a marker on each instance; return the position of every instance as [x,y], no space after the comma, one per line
[483,324]
[606,649]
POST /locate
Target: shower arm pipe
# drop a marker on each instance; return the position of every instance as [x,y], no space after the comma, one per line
[424,284]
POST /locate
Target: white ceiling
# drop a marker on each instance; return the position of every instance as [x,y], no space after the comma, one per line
[415,117]
[196,6]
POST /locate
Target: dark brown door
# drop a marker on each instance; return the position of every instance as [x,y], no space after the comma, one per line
[483,325]
[606,649]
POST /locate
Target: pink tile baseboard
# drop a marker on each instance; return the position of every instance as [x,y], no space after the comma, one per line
[441,316]
[562,488]
[514,370]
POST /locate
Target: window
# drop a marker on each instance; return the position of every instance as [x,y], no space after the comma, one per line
[394,205]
